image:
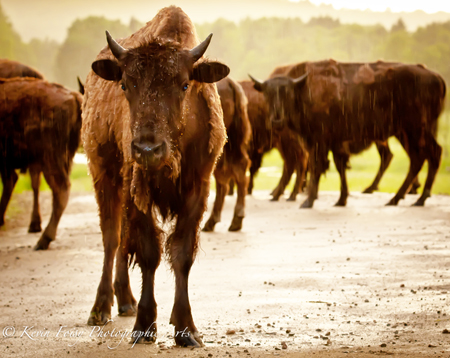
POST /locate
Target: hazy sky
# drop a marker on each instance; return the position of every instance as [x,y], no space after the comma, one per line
[51,18]
[429,6]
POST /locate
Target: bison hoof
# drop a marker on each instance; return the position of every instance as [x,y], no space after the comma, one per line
[2,222]
[236,224]
[369,190]
[392,202]
[275,198]
[144,339]
[98,318]
[419,203]
[189,340]
[43,243]
[341,203]
[291,198]
[307,204]
[209,226]
[127,310]
[35,227]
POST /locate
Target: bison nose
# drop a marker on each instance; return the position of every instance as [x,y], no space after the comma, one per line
[149,154]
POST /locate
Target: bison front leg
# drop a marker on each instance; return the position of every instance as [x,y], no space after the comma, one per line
[301,168]
[145,241]
[318,164]
[60,186]
[181,247]
[35,175]
[385,158]
[9,180]
[109,202]
[288,170]
[341,160]
[222,187]
[239,171]
[254,167]
[125,299]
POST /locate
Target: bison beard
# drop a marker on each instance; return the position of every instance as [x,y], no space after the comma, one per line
[153,130]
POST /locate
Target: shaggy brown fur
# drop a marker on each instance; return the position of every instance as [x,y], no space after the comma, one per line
[264,138]
[40,130]
[234,161]
[9,69]
[344,107]
[142,106]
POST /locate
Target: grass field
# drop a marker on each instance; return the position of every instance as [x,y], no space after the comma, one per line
[363,170]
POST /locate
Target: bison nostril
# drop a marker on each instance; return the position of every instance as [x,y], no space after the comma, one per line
[149,151]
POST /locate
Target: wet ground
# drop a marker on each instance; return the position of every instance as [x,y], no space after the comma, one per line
[363,280]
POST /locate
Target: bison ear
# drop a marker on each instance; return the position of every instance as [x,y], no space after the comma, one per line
[210,72]
[107,69]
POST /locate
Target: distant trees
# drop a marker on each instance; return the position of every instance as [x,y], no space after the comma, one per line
[252,45]
[11,46]
[85,39]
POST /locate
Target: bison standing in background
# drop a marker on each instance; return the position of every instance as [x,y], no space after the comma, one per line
[264,139]
[153,131]
[234,161]
[40,125]
[9,69]
[380,101]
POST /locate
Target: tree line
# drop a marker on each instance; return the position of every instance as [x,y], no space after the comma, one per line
[253,46]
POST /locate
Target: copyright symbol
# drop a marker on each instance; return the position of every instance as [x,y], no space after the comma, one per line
[8,331]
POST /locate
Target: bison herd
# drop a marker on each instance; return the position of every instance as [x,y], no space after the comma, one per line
[157,119]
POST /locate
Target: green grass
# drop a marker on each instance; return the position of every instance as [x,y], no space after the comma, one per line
[78,177]
[365,166]
[363,170]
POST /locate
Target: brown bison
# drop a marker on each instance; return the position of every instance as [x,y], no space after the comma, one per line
[9,69]
[345,73]
[234,161]
[264,139]
[381,100]
[153,130]
[40,125]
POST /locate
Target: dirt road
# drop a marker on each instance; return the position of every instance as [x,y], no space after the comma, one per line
[360,281]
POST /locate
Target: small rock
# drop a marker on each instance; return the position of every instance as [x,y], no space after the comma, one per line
[231,331]
[283,345]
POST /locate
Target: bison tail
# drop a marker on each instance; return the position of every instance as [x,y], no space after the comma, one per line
[241,120]
[75,129]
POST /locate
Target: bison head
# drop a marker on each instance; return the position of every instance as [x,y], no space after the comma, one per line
[281,94]
[156,79]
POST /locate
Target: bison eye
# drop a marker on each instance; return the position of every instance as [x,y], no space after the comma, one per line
[122,86]
[185,86]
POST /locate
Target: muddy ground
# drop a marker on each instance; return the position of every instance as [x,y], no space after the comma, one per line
[365,280]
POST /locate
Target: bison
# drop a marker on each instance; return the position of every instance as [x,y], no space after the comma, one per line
[10,69]
[40,125]
[381,100]
[264,139]
[234,161]
[153,130]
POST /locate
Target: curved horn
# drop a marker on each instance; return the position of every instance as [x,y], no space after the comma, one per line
[256,83]
[117,50]
[80,85]
[199,50]
[301,78]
